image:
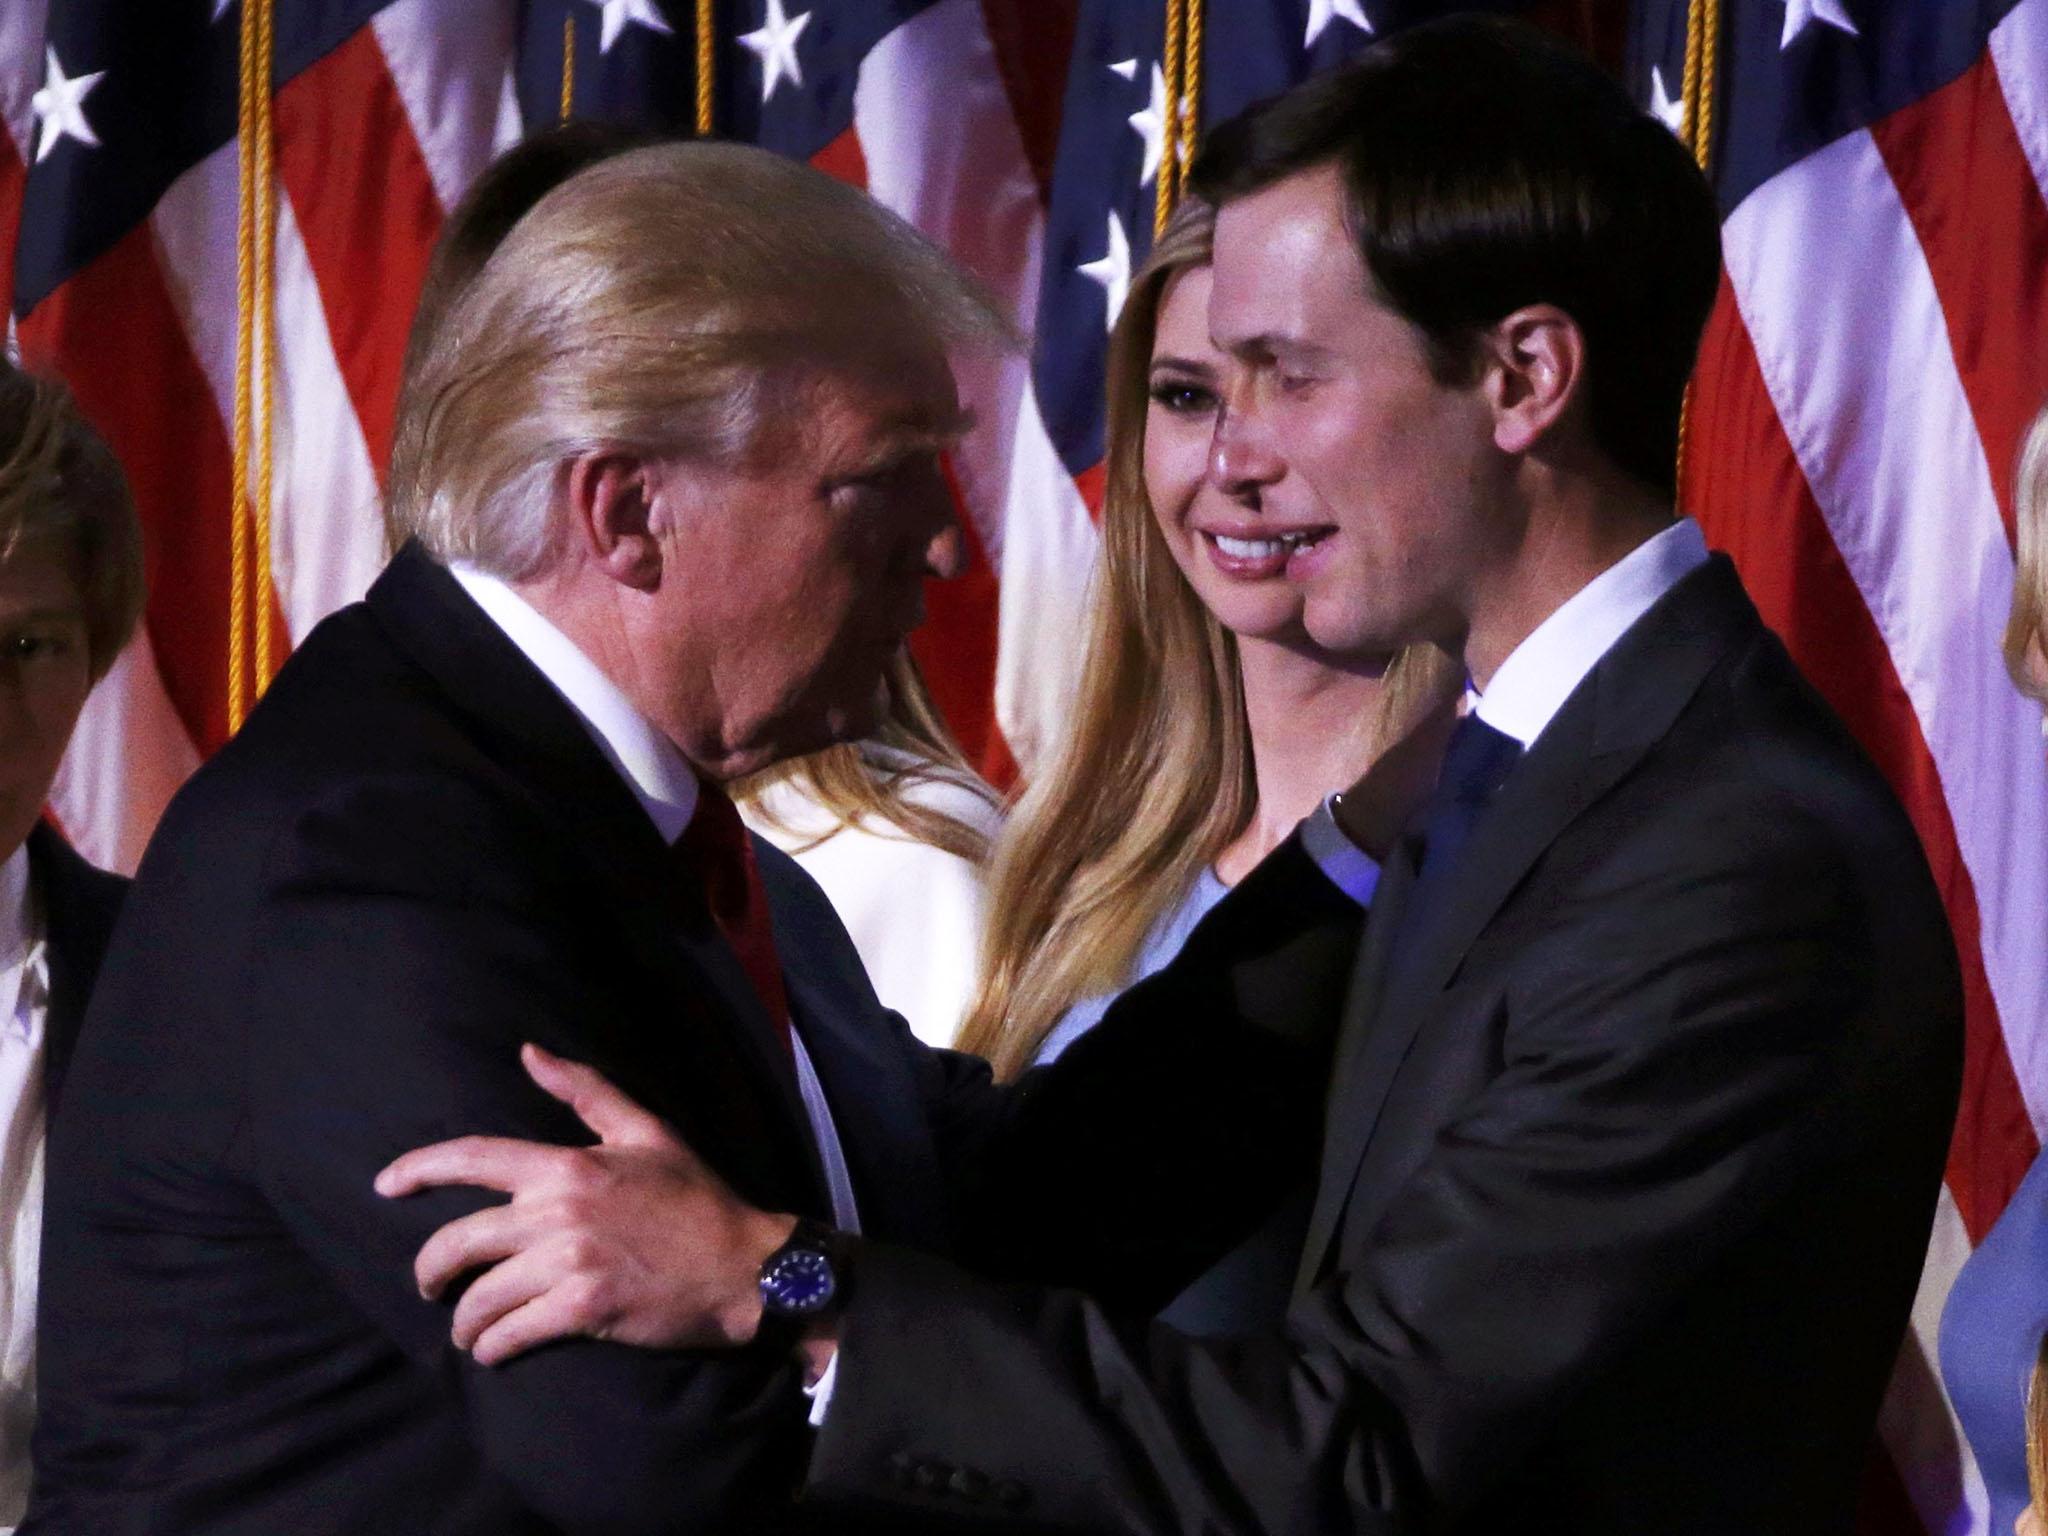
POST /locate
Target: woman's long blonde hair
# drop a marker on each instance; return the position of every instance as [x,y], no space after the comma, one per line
[1155,777]
[855,784]
[2026,630]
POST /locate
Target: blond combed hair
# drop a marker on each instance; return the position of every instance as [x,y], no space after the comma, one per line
[58,477]
[2026,628]
[1154,778]
[671,301]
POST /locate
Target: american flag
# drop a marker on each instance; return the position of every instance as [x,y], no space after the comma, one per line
[1881,339]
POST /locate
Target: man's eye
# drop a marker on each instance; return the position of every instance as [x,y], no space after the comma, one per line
[34,647]
[1184,399]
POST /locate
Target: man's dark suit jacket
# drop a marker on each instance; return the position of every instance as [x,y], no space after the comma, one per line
[79,904]
[410,860]
[1629,1166]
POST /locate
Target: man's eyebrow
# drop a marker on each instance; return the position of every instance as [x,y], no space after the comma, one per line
[1276,344]
[46,615]
[910,436]
[1183,364]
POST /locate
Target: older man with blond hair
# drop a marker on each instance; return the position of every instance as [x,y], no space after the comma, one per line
[673,487]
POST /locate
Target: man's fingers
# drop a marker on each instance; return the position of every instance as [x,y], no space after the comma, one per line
[483,1237]
[488,1162]
[561,1312]
[615,1118]
[501,1289]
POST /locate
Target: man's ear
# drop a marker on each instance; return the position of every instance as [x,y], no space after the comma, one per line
[1536,370]
[611,499]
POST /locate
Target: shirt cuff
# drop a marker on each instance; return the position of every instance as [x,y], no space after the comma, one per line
[820,1391]
[1349,867]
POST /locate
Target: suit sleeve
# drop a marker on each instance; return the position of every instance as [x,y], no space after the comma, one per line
[1167,1133]
[1657,1084]
[391,995]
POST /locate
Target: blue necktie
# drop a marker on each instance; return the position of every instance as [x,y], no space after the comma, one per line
[1476,763]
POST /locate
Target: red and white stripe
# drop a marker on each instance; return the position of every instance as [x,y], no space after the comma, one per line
[943,147]
[1881,345]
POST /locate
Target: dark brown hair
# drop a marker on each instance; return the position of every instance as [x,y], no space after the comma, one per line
[58,477]
[1487,167]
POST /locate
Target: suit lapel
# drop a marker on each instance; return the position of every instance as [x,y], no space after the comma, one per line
[78,905]
[1616,715]
[534,735]
[860,1064]
[1356,1059]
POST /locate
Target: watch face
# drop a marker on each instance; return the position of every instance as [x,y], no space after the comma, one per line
[798,1283]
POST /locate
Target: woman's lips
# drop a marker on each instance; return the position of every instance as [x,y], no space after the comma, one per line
[1263,556]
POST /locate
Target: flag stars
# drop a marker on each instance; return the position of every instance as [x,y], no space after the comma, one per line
[1322,12]
[60,106]
[1668,112]
[620,14]
[1801,14]
[1151,126]
[775,46]
[1112,270]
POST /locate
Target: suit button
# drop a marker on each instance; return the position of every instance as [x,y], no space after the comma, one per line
[900,1469]
[1010,1493]
[970,1484]
[930,1476]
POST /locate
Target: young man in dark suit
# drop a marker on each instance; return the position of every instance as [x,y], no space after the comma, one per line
[672,501]
[70,592]
[1653,1045]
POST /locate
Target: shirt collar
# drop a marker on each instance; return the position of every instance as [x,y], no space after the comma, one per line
[1532,685]
[17,928]
[657,773]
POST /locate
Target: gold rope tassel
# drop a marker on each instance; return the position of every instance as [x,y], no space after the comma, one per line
[245,328]
[266,340]
[249,576]
[568,67]
[1702,48]
[1168,184]
[1187,102]
[705,58]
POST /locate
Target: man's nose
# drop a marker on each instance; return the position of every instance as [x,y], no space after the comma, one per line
[945,556]
[1242,460]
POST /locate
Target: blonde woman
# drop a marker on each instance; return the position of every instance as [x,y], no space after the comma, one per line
[1208,723]
[1996,1321]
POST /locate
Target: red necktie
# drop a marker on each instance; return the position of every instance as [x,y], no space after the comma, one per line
[719,852]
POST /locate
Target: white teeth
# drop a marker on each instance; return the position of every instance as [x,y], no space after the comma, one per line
[1261,549]
[1250,549]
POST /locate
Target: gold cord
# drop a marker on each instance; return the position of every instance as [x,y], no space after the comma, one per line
[1702,47]
[705,58]
[568,67]
[1187,103]
[245,328]
[1168,182]
[265,329]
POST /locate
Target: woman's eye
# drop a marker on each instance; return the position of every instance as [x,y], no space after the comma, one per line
[1185,399]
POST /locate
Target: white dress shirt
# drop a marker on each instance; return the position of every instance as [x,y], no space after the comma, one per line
[24,1002]
[666,788]
[1530,687]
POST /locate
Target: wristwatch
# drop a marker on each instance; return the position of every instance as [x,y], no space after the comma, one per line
[805,1279]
